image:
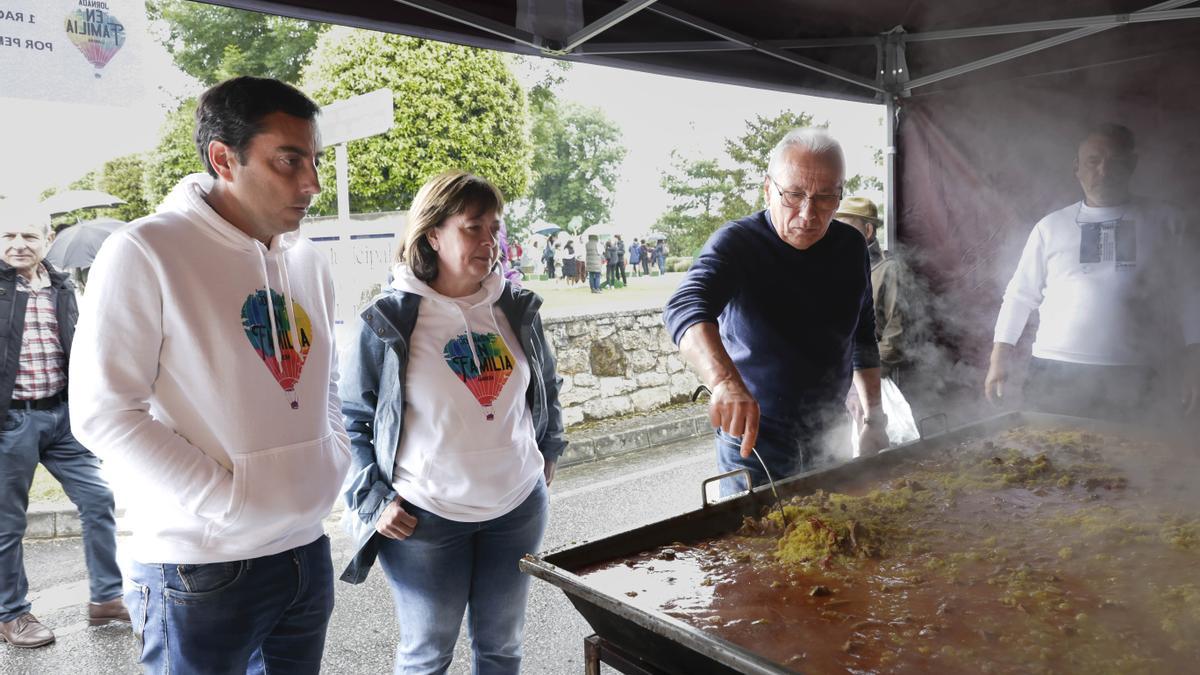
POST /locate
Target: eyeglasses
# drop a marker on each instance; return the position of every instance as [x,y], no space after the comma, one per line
[796,200]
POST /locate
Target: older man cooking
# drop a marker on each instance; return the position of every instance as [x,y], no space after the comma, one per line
[776,318]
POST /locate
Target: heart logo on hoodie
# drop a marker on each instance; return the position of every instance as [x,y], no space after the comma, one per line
[484,373]
[284,351]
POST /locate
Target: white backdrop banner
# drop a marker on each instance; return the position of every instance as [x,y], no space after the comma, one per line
[79,51]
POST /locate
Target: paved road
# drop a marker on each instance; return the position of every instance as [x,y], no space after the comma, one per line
[586,502]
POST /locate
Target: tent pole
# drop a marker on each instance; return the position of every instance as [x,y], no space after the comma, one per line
[893,75]
[889,215]
[472,20]
[1107,20]
[1038,46]
[733,36]
[605,22]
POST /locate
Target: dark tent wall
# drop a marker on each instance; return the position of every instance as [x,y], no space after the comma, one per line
[980,165]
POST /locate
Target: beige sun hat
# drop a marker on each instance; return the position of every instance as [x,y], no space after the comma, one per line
[859,207]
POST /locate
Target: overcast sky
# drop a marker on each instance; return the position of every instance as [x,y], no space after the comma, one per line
[52,143]
[658,114]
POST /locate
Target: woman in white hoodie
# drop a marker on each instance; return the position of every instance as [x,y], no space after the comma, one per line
[451,401]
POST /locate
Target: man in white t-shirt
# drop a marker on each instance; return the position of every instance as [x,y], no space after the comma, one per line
[1113,279]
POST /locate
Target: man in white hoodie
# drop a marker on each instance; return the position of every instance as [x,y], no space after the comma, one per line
[204,376]
[1113,278]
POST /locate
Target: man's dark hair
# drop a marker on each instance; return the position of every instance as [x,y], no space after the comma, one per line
[232,112]
[1119,134]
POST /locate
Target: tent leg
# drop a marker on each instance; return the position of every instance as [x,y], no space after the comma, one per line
[894,75]
[892,122]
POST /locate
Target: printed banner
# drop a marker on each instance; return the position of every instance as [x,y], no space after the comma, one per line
[78,51]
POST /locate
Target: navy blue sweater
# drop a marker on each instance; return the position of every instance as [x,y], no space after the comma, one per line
[794,322]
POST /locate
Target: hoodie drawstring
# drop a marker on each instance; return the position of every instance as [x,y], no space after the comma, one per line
[495,324]
[273,327]
[293,328]
[262,259]
[470,338]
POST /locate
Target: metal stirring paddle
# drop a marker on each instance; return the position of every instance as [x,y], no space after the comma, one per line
[702,389]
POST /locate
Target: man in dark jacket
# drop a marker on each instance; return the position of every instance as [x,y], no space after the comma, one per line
[619,272]
[890,285]
[776,318]
[38,302]
[888,282]
[610,263]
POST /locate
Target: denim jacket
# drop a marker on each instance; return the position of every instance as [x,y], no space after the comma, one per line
[372,389]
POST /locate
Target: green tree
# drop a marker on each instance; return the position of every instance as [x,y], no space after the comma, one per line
[577,154]
[543,77]
[752,151]
[174,157]
[122,177]
[704,195]
[455,107]
[213,43]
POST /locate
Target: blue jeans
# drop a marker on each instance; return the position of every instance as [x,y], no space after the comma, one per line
[29,437]
[263,615]
[594,280]
[446,567]
[785,450]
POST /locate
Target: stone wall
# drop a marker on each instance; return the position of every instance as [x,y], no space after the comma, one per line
[617,363]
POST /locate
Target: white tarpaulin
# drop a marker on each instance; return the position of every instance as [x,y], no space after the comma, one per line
[78,51]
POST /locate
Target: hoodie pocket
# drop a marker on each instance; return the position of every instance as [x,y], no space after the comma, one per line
[481,478]
[277,491]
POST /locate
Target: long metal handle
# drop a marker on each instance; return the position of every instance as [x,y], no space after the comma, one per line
[704,485]
[750,484]
[921,425]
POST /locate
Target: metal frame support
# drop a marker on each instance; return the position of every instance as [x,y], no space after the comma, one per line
[1107,20]
[721,46]
[597,650]
[342,171]
[895,77]
[1111,20]
[681,46]
[758,46]
[475,21]
[890,157]
[1038,46]
[605,22]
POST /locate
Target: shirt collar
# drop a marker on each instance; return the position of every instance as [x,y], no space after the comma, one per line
[41,279]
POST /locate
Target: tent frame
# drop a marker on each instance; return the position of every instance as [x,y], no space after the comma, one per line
[892,82]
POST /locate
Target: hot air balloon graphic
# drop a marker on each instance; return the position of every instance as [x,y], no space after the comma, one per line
[485,374]
[96,33]
[284,355]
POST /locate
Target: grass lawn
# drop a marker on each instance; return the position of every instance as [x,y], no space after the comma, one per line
[641,293]
[45,488]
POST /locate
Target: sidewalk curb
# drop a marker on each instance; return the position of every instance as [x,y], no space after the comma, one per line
[54,521]
[57,520]
[585,447]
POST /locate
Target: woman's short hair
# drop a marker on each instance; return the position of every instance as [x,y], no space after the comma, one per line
[442,197]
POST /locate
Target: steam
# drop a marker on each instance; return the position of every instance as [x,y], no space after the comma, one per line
[982,164]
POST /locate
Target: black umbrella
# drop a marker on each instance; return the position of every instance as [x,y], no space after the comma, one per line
[76,246]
